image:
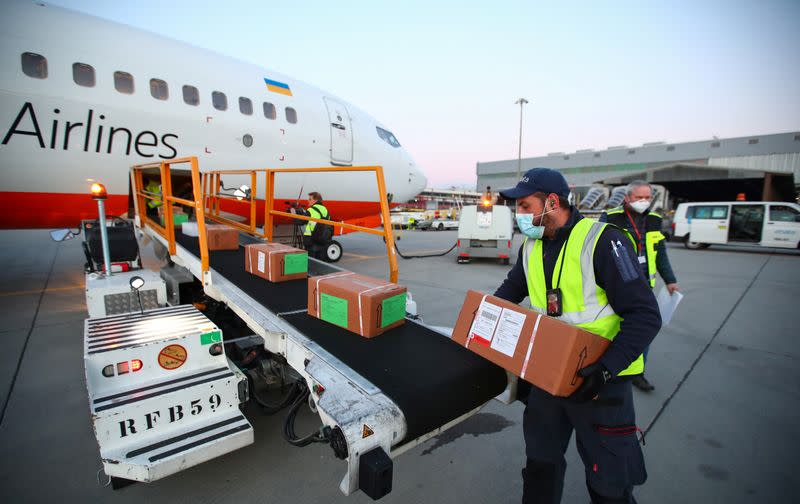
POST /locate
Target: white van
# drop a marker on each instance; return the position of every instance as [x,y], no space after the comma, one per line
[764,223]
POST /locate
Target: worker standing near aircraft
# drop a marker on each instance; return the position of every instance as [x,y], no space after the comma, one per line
[651,250]
[317,210]
[153,187]
[584,273]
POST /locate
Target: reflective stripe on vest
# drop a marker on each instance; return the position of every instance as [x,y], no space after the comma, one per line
[585,303]
[651,239]
[315,212]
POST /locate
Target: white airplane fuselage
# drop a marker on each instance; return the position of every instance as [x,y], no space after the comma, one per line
[57,135]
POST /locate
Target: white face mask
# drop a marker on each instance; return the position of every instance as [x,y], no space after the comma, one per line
[640,206]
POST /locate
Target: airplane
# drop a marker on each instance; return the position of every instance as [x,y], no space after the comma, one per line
[82,99]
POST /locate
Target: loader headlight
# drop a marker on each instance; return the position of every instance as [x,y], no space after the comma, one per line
[136,283]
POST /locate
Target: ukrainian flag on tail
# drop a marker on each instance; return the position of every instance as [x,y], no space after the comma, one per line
[278,87]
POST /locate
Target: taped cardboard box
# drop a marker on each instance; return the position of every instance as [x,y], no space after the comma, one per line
[539,349]
[221,237]
[364,305]
[276,262]
[178,215]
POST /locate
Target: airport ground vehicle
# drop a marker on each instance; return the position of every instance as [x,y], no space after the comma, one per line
[761,223]
[437,225]
[166,383]
[485,231]
[406,220]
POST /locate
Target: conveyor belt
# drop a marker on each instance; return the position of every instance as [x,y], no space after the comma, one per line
[430,378]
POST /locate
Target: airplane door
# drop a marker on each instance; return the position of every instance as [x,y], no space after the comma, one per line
[341,133]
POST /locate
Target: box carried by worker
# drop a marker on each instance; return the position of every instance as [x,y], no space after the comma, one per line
[276,262]
[364,305]
[539,349]
[221,237]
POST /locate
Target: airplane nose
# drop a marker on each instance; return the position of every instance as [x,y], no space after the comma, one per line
[418,180]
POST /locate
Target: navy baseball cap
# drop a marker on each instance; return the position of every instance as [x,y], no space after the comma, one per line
[544,180]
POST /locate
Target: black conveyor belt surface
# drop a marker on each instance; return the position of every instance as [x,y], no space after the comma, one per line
[430,378]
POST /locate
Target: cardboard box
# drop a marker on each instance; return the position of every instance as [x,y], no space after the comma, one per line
[222,237]
[364,305]
[276,262]
[178,215]
[539,349]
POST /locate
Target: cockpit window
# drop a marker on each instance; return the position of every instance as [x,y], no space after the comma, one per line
[387,137]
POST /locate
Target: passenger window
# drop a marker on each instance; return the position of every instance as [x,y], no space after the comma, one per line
[34,65]
[710,212]
[158,89]
[191,96]
[389,138]
[783,213]
[269,111]
[291,115]
[83,74]
[123,82]
[719,212]
[245,106]
[219,100]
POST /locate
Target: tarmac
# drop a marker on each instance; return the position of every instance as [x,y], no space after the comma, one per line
[723,424]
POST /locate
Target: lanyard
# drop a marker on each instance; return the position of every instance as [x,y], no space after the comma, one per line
[636,230]
[562,253]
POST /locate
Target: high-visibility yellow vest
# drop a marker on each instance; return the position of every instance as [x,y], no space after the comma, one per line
[154,188]
[585,303]
[652,236]
[317,211]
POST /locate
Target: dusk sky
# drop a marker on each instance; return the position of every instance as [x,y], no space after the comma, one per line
[444,76]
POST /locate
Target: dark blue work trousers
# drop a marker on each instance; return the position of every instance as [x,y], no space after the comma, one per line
[607,441]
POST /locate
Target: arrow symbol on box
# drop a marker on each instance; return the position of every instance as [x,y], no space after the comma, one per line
[581,360]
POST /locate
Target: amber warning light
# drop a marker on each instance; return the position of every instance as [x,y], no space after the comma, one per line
[99,191]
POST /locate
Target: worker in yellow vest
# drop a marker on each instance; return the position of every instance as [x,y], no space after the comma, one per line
[584,273]
[645,226]
[314,242]
[154,188]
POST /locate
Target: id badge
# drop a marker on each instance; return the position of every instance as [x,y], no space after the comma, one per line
[554,308]
[642,260]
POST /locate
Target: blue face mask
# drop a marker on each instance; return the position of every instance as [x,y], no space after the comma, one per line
[525,223]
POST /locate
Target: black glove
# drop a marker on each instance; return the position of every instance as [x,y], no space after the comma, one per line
[594,377]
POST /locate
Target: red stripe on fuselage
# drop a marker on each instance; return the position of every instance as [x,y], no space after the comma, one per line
[26,210]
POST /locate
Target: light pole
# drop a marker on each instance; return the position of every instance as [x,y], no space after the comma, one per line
[520,102]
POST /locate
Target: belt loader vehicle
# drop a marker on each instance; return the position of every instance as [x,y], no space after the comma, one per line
[167,378]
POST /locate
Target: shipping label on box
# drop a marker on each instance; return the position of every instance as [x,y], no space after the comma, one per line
[333,309]
[508,332]
[393,309]
[295,263]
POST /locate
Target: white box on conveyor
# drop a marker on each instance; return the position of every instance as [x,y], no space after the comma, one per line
[190,229]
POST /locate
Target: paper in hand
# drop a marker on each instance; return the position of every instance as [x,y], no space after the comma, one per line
[667,304]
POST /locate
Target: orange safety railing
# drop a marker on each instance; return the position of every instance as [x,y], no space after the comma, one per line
[167,231]
[207,190]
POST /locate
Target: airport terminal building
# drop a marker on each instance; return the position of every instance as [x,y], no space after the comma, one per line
[760,166]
